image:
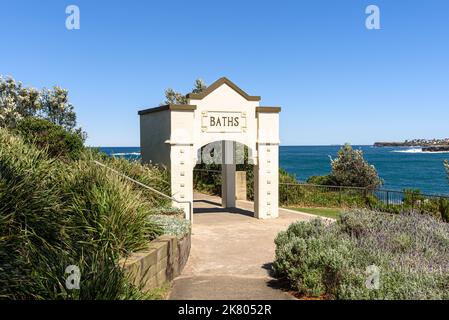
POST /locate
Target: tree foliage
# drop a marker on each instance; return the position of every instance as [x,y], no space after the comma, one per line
[174,97]
[18,102]
[351,169]
[53,138]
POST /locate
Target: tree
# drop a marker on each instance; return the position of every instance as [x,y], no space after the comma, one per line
[351,169]
[55,107]
[174,97]
[200,86]
[18,102]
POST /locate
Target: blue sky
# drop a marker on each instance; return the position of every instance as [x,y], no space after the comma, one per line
[336,81]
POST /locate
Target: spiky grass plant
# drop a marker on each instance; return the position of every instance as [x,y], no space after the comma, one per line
[147,174]
[55,214]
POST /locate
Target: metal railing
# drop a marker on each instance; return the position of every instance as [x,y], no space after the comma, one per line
[312,195]
[303,194]
[148,188]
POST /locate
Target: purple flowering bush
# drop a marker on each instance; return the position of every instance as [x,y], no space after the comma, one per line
[335,261]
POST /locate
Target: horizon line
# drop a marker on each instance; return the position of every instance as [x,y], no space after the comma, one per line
[281,145]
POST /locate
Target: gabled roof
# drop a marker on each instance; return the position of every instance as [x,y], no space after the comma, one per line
[216,85]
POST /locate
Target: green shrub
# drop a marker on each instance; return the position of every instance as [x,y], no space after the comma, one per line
[331,260]
[146,174]
[316,196]
[107,208]
[326,180]
[350,169]
[207,181]
[167,211]
[412,197]
[443,208]
[54,214]
[57,141]
[172,226]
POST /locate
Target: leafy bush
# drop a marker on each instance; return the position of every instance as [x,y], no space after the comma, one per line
[172,226]
[54,214]
[304,195]
[331,260]
[58,142]
[168,211]
[207,181]
[443,208]
[412,197]
[326,180]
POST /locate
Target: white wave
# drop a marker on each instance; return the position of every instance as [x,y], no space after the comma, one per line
[126,154]
[417,150]
[414,150]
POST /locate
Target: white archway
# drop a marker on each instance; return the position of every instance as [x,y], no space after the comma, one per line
[170,136]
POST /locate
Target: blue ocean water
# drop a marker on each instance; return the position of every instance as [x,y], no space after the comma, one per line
[399,167]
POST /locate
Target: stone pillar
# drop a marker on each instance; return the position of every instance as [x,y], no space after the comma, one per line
[228,175]
[266,182]
[266,172]
[181,172]
[240,185]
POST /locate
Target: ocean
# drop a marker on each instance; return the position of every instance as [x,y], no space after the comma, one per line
[400,168]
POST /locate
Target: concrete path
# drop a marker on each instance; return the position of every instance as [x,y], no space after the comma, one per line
[231,253]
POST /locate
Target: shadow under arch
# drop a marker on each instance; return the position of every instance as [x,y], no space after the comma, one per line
[215,207]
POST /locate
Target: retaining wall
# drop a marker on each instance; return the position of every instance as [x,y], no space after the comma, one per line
[162,261]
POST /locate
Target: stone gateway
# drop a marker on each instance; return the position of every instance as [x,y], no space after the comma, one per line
[171,135]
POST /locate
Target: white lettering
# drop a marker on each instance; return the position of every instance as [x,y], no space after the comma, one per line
[73,20]
[372,22]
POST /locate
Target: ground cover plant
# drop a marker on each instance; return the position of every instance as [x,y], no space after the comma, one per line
[334,260]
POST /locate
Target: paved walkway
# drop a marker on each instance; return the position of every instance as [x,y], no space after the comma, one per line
[232,253]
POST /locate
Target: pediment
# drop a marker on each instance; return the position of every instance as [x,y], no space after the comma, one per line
[219,83]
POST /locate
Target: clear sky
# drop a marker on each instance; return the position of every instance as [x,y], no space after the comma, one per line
[336,80]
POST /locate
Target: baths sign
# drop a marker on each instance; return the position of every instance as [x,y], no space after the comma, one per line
[223,121]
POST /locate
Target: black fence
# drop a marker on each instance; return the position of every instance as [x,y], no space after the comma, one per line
[309,195]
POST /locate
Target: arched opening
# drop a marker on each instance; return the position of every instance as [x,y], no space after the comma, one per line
[223,175]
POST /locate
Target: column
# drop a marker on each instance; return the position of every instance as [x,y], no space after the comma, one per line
[266,182]
[228,168]
[181,172]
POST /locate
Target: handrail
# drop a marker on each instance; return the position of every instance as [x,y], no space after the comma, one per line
[207,170]
[361,188]
[147,187]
